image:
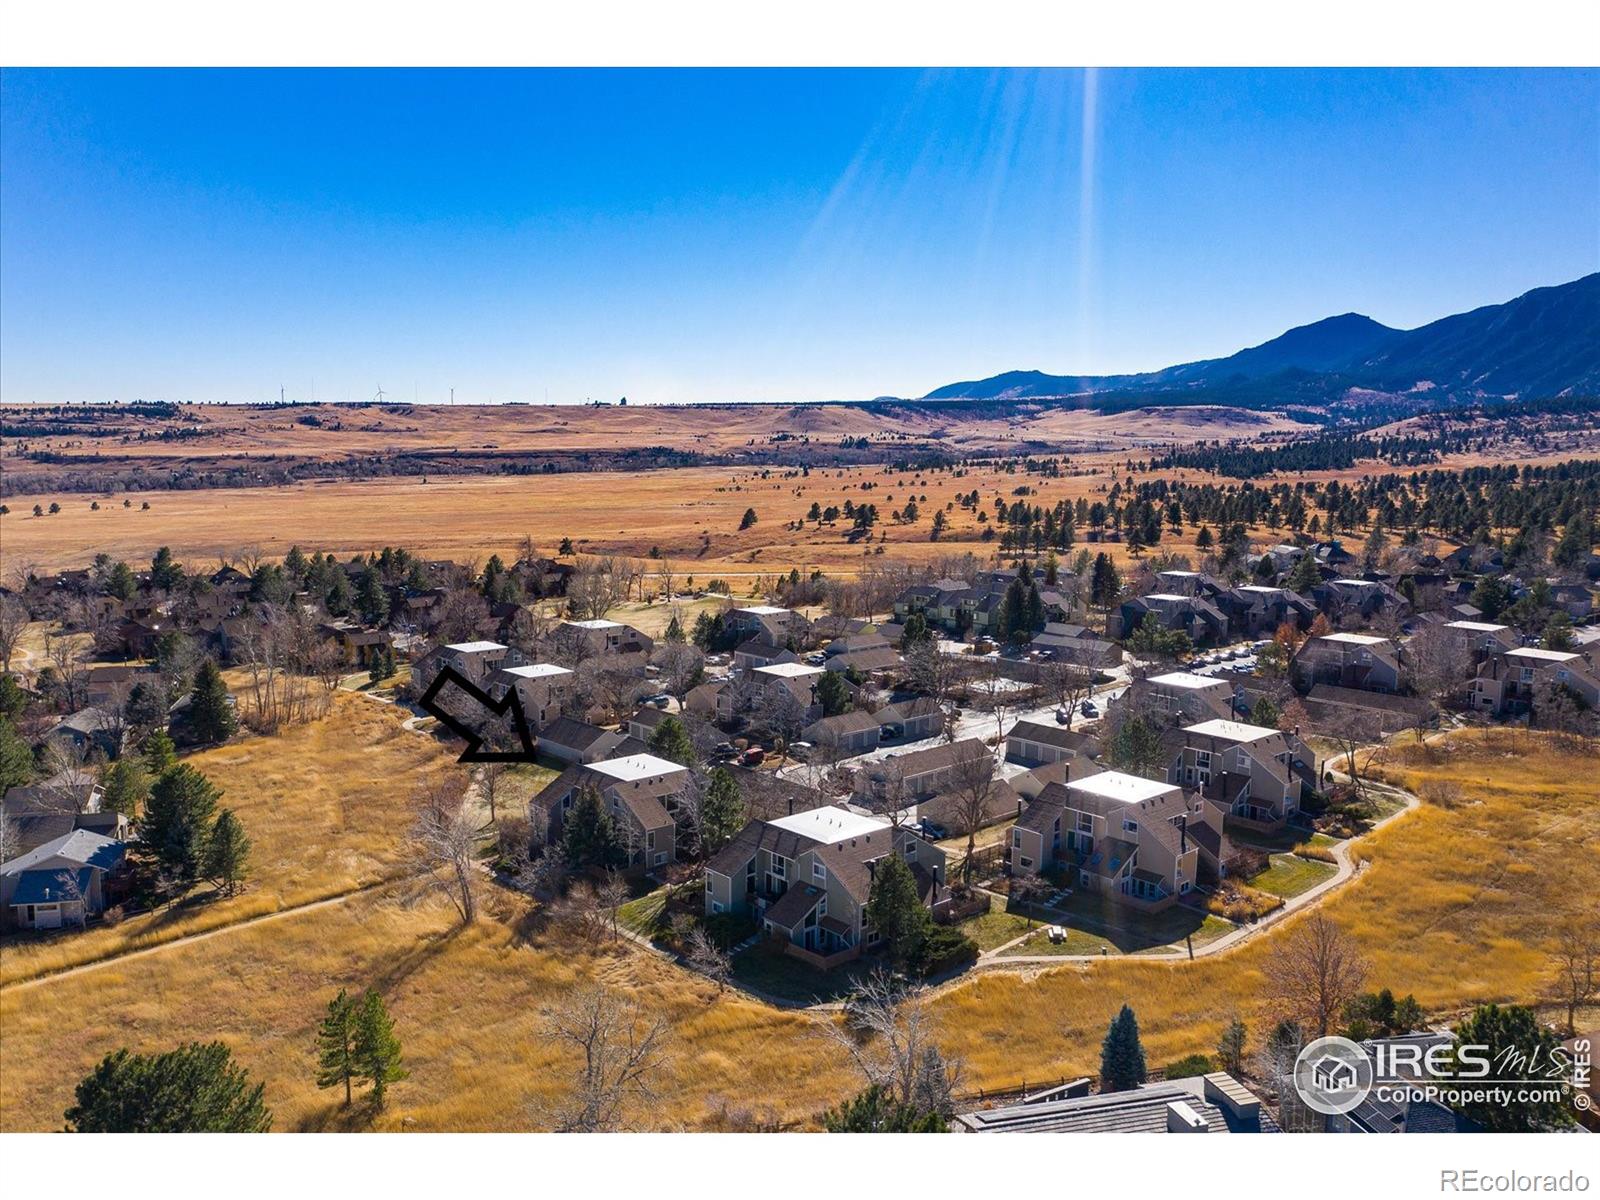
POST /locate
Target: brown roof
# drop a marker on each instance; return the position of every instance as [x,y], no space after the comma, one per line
[934,758]
[842,725]
[791,908]
[1050,735]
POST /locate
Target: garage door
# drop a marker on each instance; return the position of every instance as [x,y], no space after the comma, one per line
[47,916]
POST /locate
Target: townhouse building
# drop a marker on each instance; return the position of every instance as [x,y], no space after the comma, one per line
[806,879]
[1120,836]
[1258,775]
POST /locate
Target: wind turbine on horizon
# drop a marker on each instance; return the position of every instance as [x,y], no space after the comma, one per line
[378,399]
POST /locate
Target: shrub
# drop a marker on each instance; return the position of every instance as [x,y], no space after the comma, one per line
[1316,853]
[946,948]
[1192,1065]
[1240,903]
[114,914]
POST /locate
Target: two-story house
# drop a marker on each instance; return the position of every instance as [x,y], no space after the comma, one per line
[621,645]
[1182,697]
[1481,639]
[806,878]
[767,623]
[475,662]
[1196,616]
[1509,683]
[1352,660]
[642,794]
[915,774]
[1256,611]
[1257,774]
[1116,835]
[541,689]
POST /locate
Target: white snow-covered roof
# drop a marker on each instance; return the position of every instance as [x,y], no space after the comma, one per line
[594,624]
[1475,626]
[537,671]
[1354,639]
[1166,596]
[830,824]
[474,647]
[1559,656]
[1232,731]
[1186,679]
[633,767]
[1114,785]
[761,610]
[792,670]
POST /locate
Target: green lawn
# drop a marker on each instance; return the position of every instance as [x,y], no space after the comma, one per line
[775,973]
[996,927]
[644,914]
[1100,926]
[1290,875]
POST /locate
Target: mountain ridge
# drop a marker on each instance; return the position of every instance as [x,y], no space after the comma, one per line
[1543,343]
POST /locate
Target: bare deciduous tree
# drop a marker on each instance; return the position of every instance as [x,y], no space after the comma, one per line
[889,1037]
[705,956]
[612,895]
[972,785]
[619,1052]
[13,621]
[1065,684]
[444,838]
[490,777]
[1575,966]
[1312,974]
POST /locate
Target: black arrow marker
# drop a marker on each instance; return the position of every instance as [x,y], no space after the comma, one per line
[475,753]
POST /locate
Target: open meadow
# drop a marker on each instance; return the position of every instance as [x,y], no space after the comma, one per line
[325,806]
[1477,878]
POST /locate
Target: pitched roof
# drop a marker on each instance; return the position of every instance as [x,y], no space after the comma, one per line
[842,725]
[80,846]
[1048,735]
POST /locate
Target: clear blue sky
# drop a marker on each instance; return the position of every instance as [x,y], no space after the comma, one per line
[751,235]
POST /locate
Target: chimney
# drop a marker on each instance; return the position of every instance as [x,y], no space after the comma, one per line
[1183,834]
[1181,1118]
[1019,808]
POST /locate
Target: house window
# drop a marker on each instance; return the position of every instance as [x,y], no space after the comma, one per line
[1026,862]
[1085,823]
[716,906]
[1202,758]
[819,872]
[911,847]
[1016,838]
[1129,826]
[779,866]
[661,858]
[650,840]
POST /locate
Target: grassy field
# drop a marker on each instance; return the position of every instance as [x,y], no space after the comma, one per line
[1458,905]
[325,806]
[1290,875]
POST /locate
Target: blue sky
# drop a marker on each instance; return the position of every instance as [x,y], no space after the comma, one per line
[751,235]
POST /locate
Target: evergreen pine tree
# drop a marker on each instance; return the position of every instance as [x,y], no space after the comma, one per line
[227,852]
[211,717]
[377,1050]
[177,821]
[721,811]
[674,634]
[126,786]
[336,1044]
[671,741]
[832,694]
[896,912]
[193,1089]
[588,838]
[1231,1046]
[1121,1054]
[159,753]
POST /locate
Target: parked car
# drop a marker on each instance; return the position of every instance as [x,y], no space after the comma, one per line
[723,750]
[800,749]
[660,700]
[1089,709]
[817,659]
[932,830]
[894,729]
[1063,717]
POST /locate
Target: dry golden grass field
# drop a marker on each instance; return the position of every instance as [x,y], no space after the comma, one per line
[221,431]
[1458,905]
[325,806]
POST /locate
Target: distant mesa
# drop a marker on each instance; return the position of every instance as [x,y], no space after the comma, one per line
[1544,343]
